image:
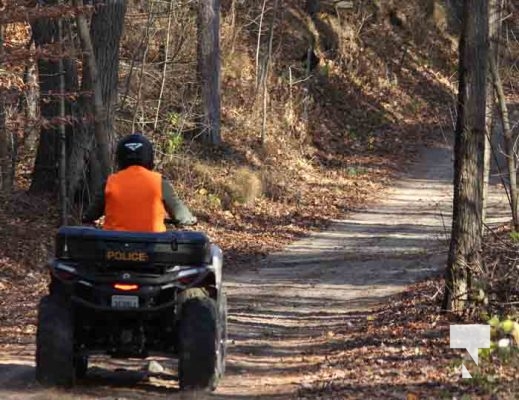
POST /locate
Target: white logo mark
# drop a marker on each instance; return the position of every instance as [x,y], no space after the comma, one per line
[471,338]
[133,146]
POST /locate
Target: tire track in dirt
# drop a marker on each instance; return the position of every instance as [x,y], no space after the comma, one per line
[283,313]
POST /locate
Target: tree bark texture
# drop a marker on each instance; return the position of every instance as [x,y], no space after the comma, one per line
[106,31]
[510,147]
[30,105]
[494,29]
[62,135]
[45,173]
[90,158]
[82,146]
[5,164]
[209,67]
[465,245]
[4,146]
[266,72]
[5,159]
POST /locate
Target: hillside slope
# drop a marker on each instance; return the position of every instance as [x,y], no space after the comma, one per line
[303,142]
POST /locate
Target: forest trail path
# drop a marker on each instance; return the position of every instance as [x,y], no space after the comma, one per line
[283,315]
[283,312]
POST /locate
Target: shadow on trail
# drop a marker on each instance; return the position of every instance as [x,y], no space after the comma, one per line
[99,381]
[16,376]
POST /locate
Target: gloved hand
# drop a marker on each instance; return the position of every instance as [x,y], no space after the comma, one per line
[191,221]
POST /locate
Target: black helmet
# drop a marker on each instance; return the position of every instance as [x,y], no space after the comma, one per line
[134,149]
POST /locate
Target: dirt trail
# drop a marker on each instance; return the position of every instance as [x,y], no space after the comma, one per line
[283,313]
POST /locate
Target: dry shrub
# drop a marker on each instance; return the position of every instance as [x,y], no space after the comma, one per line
[176,168]
[279,185]
[238,66]
[439,16]
[190,173]
[199,182]
[272,186]
[245,186]
[274,151]
[214,189]
[499,280]
[204,176]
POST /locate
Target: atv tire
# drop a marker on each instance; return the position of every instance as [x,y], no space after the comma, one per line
[197,340]
[55,343]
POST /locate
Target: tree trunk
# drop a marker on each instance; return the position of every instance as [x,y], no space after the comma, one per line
[4,155]
[29,105]
[62,133]
[465,245]
[509,143]
[100,118]
[45,172]
[494,29]
[209,67]
[90,159]
[266,73]
[5,172]
[165,64]
[106,31]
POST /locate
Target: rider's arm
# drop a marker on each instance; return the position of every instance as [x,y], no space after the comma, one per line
[97,208]
[174,206]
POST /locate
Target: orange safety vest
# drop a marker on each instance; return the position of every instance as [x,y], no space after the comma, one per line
[133,201]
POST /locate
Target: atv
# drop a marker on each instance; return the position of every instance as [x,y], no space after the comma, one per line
[130,294]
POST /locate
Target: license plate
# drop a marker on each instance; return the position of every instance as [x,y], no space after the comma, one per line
[125,301]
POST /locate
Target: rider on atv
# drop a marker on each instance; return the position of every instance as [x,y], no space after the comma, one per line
[137,198]
[137,293]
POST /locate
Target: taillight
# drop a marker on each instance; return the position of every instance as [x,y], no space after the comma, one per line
[187,280]
[65,272]
[188,275]
[126,287]
[65,275]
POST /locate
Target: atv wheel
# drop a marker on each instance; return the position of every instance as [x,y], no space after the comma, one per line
[55,343]
[197,364]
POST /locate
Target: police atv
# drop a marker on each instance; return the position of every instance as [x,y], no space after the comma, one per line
[129,294]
